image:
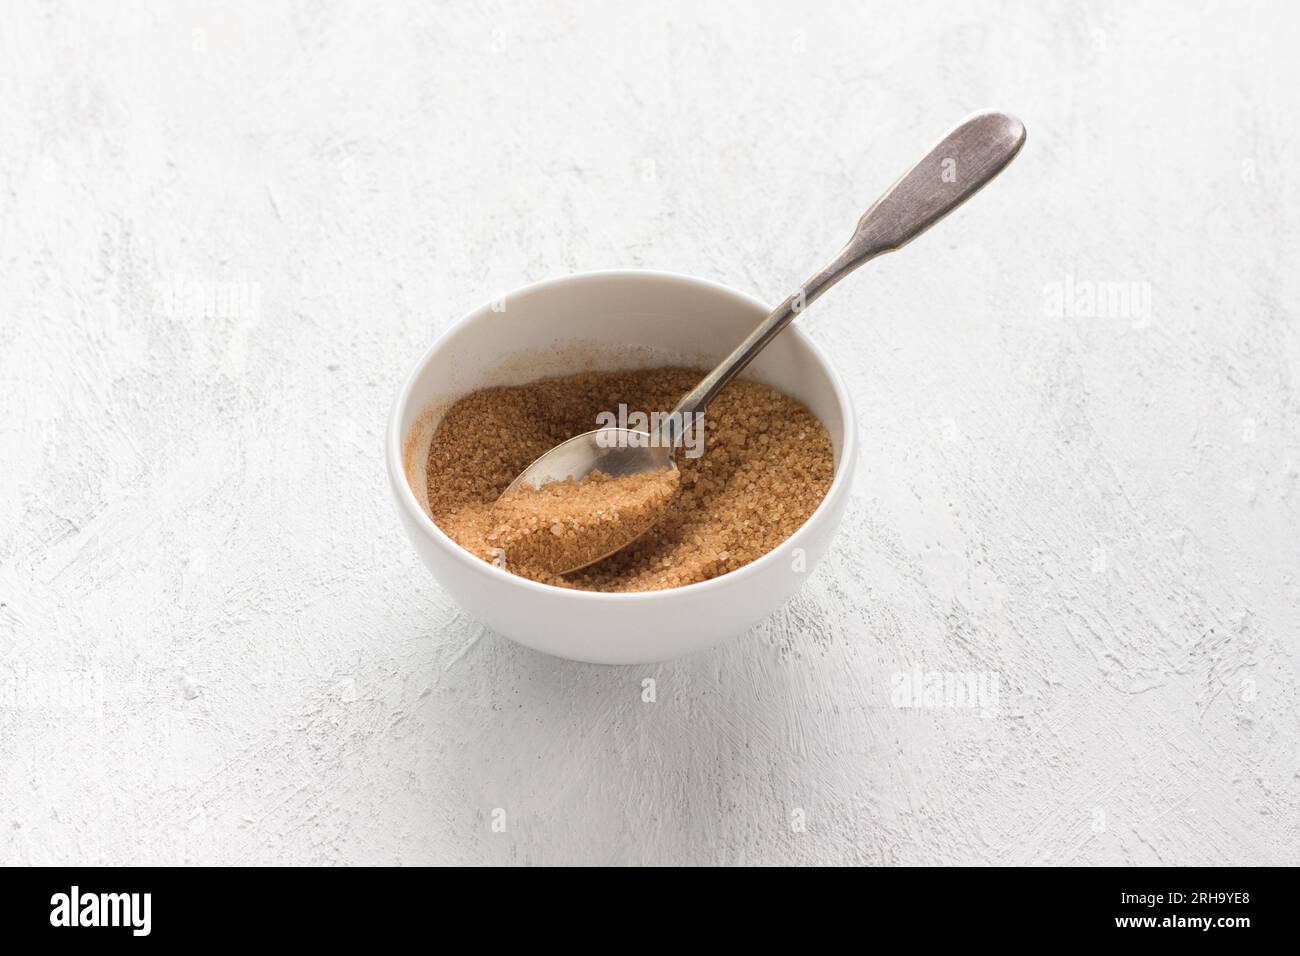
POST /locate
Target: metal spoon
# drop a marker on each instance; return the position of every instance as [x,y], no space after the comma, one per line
[963,162]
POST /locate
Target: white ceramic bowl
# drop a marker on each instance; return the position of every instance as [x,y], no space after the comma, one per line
[606,320]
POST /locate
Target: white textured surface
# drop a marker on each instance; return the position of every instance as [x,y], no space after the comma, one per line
[216,645]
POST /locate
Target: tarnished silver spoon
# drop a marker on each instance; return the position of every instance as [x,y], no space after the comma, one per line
[953,171]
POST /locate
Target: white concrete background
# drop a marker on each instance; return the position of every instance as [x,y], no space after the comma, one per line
[217,646]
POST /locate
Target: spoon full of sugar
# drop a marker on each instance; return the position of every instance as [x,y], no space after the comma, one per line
[963,163]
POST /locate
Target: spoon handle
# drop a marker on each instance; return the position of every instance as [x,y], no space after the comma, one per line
[963,162]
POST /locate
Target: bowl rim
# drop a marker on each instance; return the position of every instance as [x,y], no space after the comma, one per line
[406,495]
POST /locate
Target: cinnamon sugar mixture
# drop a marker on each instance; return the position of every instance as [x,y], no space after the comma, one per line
[767,464]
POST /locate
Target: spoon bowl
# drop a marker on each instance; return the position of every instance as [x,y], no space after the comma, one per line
[614,451]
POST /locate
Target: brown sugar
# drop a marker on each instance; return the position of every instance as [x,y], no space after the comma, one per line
[767,464]
[564,525]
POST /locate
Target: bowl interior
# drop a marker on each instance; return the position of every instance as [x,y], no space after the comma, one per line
[603,321]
